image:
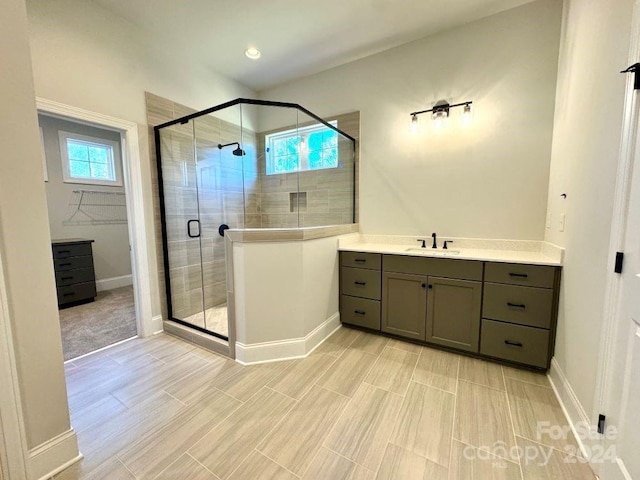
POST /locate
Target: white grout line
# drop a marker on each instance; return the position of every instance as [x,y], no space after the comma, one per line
[199,463]
[453,423]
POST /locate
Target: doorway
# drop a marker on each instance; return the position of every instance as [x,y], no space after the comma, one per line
[86,198]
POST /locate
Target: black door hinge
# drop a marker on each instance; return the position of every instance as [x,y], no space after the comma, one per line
[635,68]
[601,420]
[619,261]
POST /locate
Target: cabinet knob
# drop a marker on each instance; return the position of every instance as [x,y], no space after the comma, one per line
[424,285]
[430,287]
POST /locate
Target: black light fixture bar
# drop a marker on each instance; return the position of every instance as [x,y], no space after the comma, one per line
[440,107]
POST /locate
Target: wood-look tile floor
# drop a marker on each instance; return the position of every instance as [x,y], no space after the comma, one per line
[360,407]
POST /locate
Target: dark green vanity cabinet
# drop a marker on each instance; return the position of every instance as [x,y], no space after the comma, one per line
[519,312]
[506,311]
[432,299]
[360,289]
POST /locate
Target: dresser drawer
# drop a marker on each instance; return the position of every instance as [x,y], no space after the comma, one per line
[361,260]
[523,305]
[437,267]
[73,263]
[71,250]
[77,292]
[517,274]
[359,282]
[515,343]
[360,311]
[69,277]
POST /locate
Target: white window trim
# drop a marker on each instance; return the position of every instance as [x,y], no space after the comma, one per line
[300,131]
[64,154]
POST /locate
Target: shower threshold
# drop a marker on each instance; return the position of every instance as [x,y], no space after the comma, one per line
[213,319]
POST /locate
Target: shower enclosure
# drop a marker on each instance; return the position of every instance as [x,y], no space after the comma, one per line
[245,164]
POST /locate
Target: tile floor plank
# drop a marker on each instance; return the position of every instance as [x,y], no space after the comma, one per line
[481,372]
[338,342]
[328,465]
[534,410]
[399,463]
[476,402]
[437,369]
[349,370]
[362,432]
[298,379]
[178,436]
[259,467]
[227,445]
[370,343]
[425,423]
[249,380]
[543,463]
[185,468]
[468,463]
[393,370]
[294,442]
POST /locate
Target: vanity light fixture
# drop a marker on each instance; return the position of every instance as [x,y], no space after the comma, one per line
[253,53]
[441,110]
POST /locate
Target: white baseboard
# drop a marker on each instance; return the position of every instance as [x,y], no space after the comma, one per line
[113,282]
[578,419]
[287,349]
[157,324]
[53,456]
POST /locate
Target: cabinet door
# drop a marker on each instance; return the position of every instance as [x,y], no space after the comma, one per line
[404,304]
[453,313]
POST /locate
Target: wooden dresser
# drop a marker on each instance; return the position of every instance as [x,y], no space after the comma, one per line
[73,265]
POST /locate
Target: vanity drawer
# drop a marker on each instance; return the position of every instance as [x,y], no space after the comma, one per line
[360,311]
[436,267]
[71,250]
[72,263]
[523,305]
[77,292]
[359,282]
[69,277]
[361,260]
[519,274]
[515,343]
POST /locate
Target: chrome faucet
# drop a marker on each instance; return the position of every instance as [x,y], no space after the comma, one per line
[434,236]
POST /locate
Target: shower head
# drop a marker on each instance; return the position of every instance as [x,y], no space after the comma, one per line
[238,152]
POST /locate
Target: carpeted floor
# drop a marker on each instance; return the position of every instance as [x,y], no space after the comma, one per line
[89,327]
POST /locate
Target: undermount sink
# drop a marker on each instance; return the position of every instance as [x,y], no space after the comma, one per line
[430,252]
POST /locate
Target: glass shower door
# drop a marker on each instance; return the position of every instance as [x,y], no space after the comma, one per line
[183,258]
[219,173]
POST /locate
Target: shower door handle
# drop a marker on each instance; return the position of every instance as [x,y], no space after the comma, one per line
[189,223]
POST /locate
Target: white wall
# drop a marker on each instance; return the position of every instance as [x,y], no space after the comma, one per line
[25,243]
[284,290]
[586,142]
[111,241]
[87,57]
[489,180]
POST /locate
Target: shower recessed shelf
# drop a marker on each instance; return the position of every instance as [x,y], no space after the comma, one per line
[297,202]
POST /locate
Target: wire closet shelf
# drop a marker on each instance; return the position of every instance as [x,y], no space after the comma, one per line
[95,207]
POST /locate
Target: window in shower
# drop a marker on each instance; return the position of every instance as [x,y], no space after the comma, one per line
[313,147]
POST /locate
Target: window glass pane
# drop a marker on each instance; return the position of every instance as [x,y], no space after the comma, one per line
[315,141]
[292,145]
[330,157]
[315,159]
[100,171]
[79,168]
[99,154]
[77,151]
[330,139]
[279,146]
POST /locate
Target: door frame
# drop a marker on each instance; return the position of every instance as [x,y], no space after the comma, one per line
[12,453]
[612,313]
[136,218]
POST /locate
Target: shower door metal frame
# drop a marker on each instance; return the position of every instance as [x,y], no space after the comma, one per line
[186,119]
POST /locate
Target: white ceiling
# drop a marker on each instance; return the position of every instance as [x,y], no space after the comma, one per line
[296,37]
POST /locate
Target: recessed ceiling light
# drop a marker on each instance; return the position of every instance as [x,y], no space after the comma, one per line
[253,53]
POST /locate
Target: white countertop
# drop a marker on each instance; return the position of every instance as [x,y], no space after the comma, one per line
[512,251]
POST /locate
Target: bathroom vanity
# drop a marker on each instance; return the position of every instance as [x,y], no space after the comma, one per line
[505,310]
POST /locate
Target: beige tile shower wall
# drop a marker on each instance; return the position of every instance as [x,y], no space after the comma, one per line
[328,192]
[219,197]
